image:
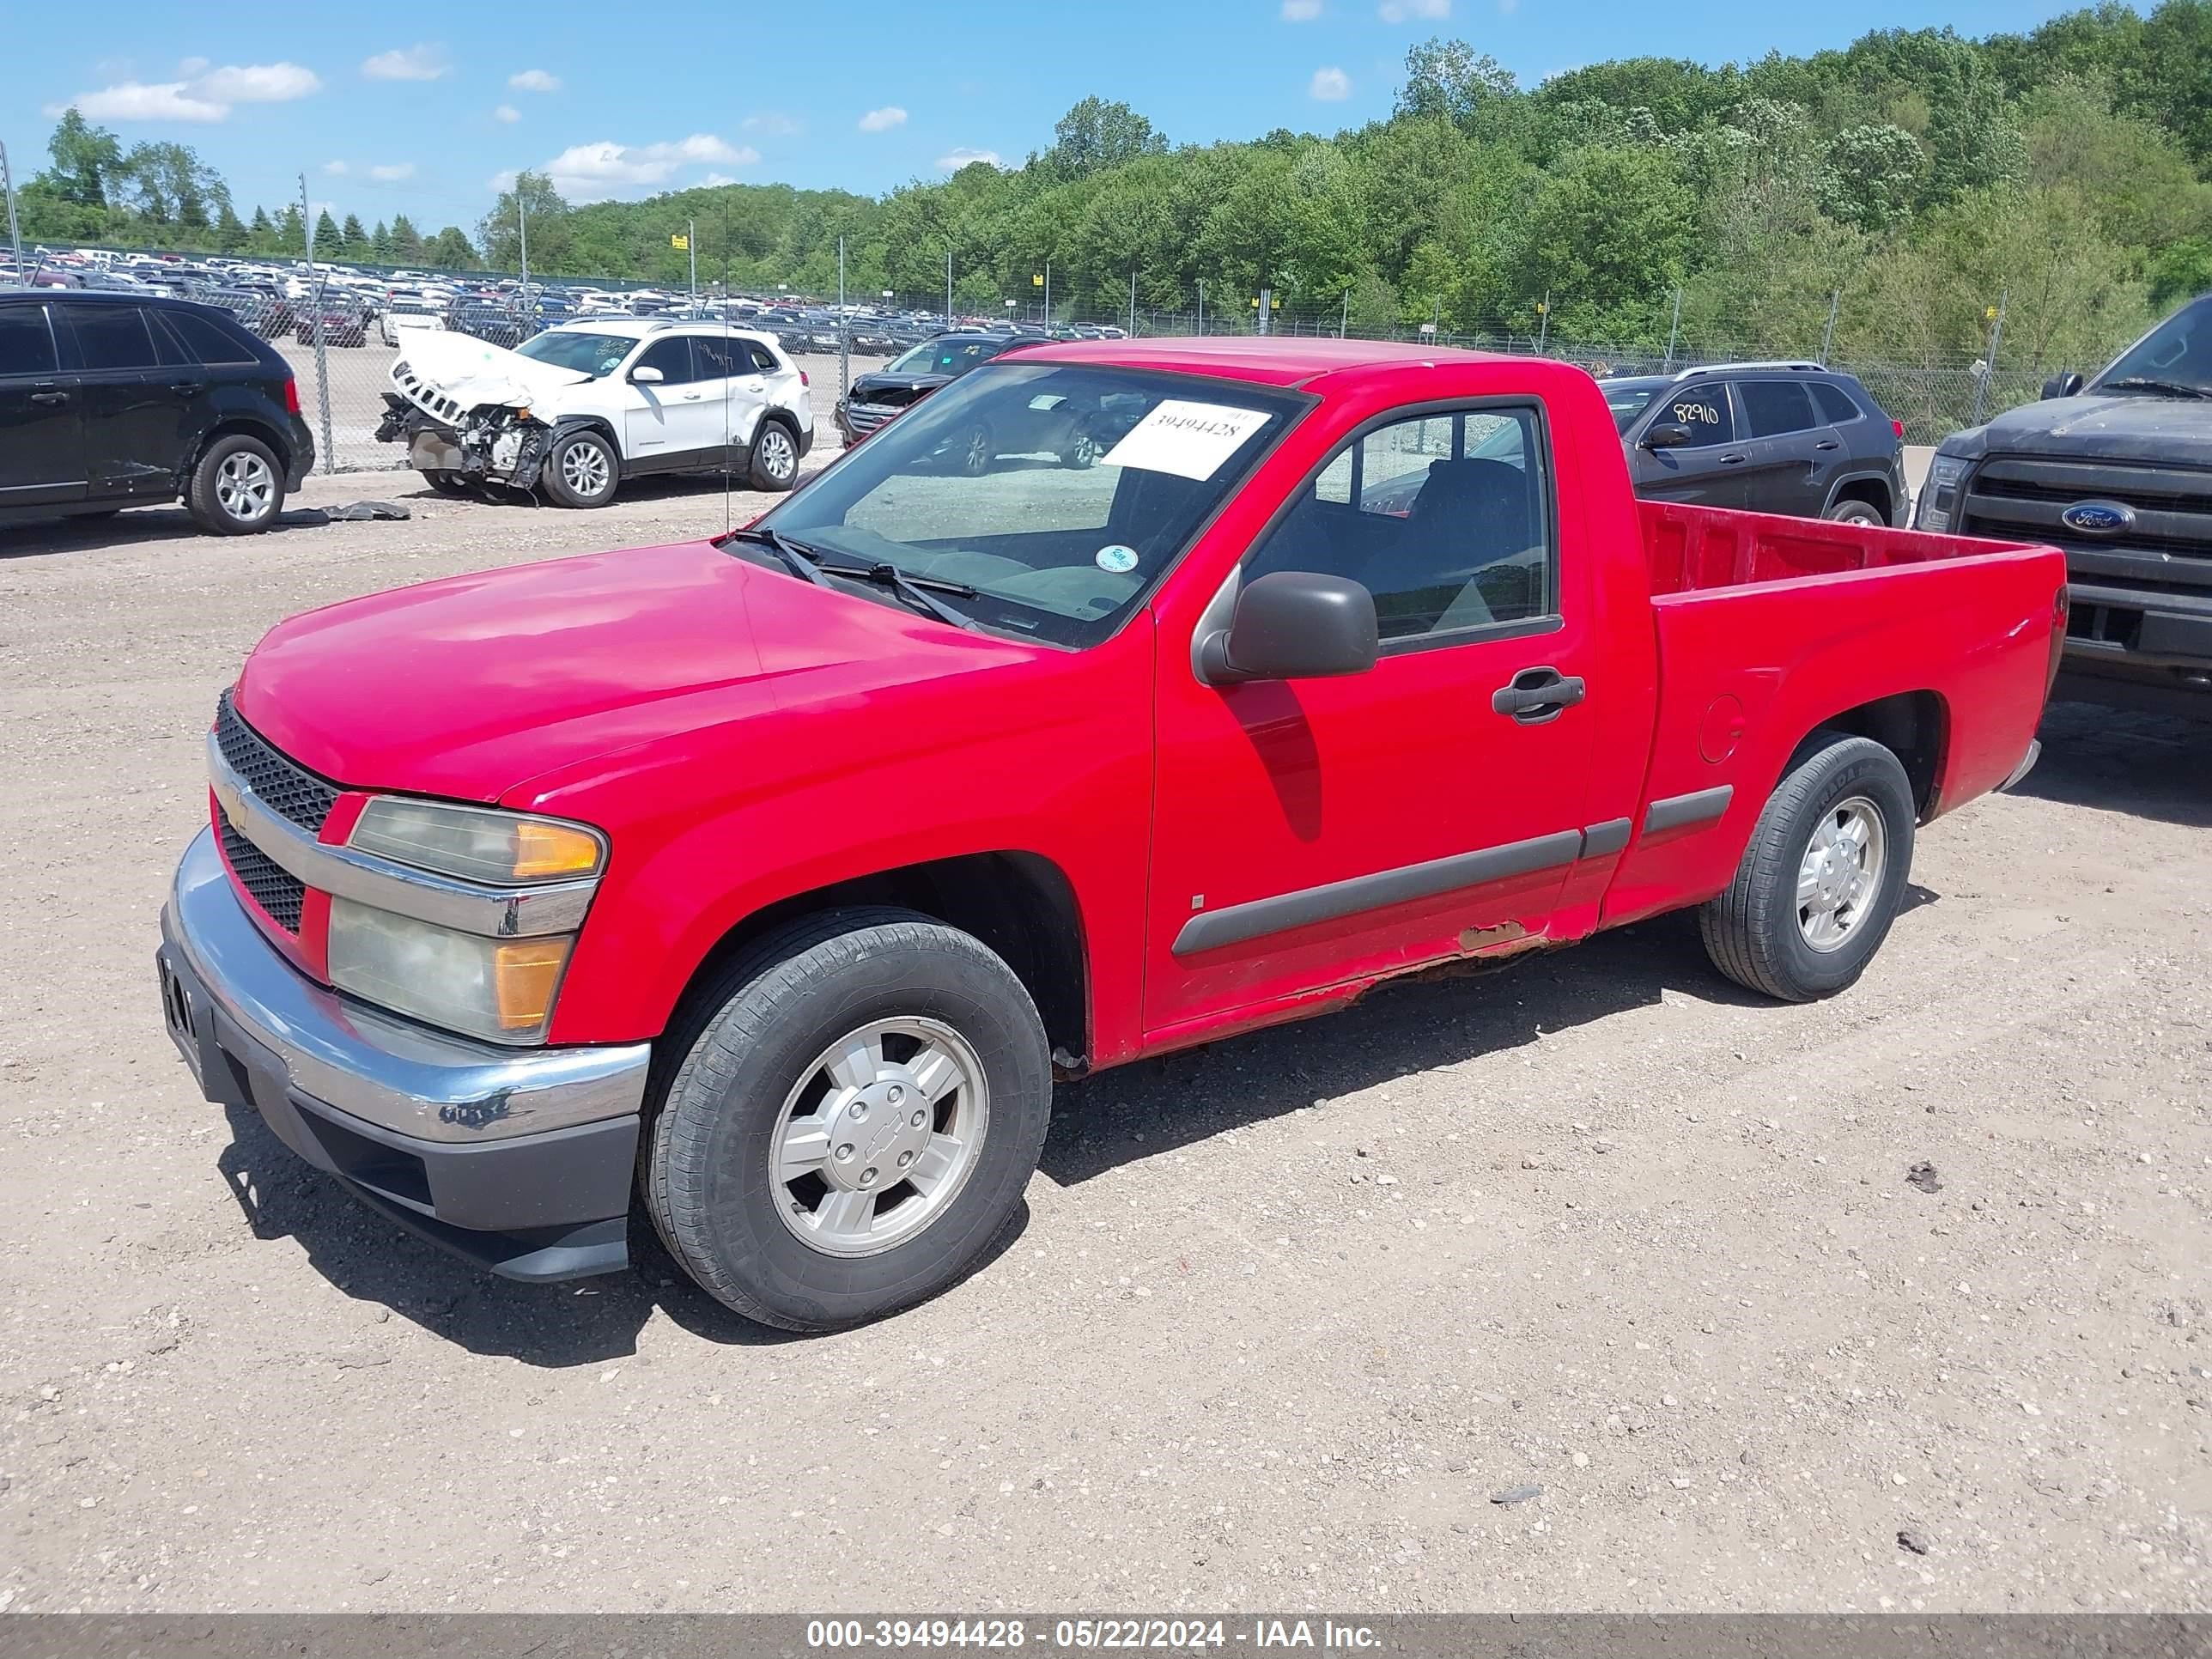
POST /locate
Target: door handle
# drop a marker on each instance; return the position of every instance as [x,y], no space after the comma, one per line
[188,387]
[691,396]
[1827,443]
[50,397]
[1731,460]
[1535,697]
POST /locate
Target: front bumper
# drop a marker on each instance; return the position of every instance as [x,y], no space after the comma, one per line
[419,1125]
[856,420]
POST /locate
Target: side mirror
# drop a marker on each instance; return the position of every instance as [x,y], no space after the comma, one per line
[2061,386]
[1665,434]
[648,375]
[1293,625]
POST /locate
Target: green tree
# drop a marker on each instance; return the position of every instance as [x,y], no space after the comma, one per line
[292,233]
[84,157]
[1096,135]
[451,250]
[406,241]
[231,235]
[328,241]
[351,237]
[531,198]
[2181,271]
[1449,78]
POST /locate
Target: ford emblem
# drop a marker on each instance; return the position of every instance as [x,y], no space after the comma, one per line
[2098,517]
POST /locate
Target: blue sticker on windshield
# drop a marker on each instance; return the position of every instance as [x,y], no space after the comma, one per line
[1119,560]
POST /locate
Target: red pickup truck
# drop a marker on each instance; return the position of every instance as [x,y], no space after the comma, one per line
[773,880]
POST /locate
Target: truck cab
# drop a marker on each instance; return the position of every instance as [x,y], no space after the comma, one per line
[2118,472]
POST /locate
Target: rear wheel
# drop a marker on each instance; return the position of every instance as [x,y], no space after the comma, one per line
[1083,450]
[971,452]
[237,488]
[1822,876]
[1853,511]
[447,482]
[862,1102]
[582,470]
[775,457]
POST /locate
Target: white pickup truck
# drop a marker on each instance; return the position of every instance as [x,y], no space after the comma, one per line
[583,406]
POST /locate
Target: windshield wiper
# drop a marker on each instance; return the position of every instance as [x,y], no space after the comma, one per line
[918,591]
[2146,383]
[803,560]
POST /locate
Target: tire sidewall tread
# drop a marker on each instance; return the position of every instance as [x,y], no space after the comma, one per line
[199,494]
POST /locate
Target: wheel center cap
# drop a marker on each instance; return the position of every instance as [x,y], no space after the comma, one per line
[876,1134]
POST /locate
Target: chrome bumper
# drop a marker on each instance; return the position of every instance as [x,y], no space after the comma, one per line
[2026,764]
[386,1071]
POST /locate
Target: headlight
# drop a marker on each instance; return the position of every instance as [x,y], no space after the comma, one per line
[499,990]
[477,843]
[1938,494]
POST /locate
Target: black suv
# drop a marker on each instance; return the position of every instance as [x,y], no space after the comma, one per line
[116,400]
[878,396]
[1790,438]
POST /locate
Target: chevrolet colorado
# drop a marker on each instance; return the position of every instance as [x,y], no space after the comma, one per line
[767,884]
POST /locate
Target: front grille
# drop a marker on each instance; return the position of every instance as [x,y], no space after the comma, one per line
[2167,549]
[272,887]
[282,785]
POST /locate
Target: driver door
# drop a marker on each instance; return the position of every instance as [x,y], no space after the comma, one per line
[676,422]
[1709,470]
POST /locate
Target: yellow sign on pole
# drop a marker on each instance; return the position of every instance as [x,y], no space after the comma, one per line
[1037,279]
[680,242]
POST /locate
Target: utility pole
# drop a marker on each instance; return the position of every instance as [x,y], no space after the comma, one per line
[322,359]
[1673,331]
[1344,317]
[1543,322]
[844,328]
[522,227]
[1989,362]
[1133,305]
[14,235]
[1827,334]
[1201,305]
[948,288]
[691,247]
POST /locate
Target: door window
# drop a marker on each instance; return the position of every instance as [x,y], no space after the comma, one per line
[764,359]
[27,344]
[1445,518]
[712,358]
[672,357]
[1703,410]
[111,337]
[1775,407]
[208,341]
[1836,406]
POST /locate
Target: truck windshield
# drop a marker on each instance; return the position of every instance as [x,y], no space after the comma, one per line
[585,354]
[2177,355]
[943,357]
[1058,492]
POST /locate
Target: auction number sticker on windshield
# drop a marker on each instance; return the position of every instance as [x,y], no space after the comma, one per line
[1189,440]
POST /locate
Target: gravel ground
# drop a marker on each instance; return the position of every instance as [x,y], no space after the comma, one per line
[1287,1316]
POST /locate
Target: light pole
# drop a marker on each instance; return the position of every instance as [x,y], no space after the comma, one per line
[15,236]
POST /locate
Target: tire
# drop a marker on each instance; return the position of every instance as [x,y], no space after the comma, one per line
[445,483]
[1853,511]
[582,470]
[1762,933]
[237,489]
[775,465]
[758,1039]
[1083,451]
[971,452]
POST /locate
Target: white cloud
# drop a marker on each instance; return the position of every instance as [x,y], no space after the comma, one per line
[1301,11]
[964,157]
[255,83]
[501,181]
[775,125]
[336,169]
[393,172]
[884,120]
[534,80]
[1331,86]
[408,63]
[714,179]
[1401,11]
[136,100]
[590,172]
[203,94]
[507,113]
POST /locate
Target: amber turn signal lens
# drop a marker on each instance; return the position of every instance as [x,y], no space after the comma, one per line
[525,973]
[553,849]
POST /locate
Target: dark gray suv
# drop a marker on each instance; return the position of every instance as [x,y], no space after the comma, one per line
[1784,437]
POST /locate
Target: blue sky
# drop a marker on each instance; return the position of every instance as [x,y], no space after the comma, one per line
[421,109]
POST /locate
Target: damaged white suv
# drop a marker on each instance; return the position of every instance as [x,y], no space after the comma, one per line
[583,406]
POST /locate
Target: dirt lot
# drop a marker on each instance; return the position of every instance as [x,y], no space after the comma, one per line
[1284,1314]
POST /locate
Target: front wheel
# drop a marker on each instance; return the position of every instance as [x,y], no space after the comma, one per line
[447,482]
[582,470]
[1822,876]
[775,457]
[863,1100]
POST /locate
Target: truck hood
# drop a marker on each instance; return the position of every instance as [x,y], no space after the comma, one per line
[470,687]
[2128,426]
[472,373]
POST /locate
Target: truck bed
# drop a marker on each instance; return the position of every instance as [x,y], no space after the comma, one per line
[1689,550]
